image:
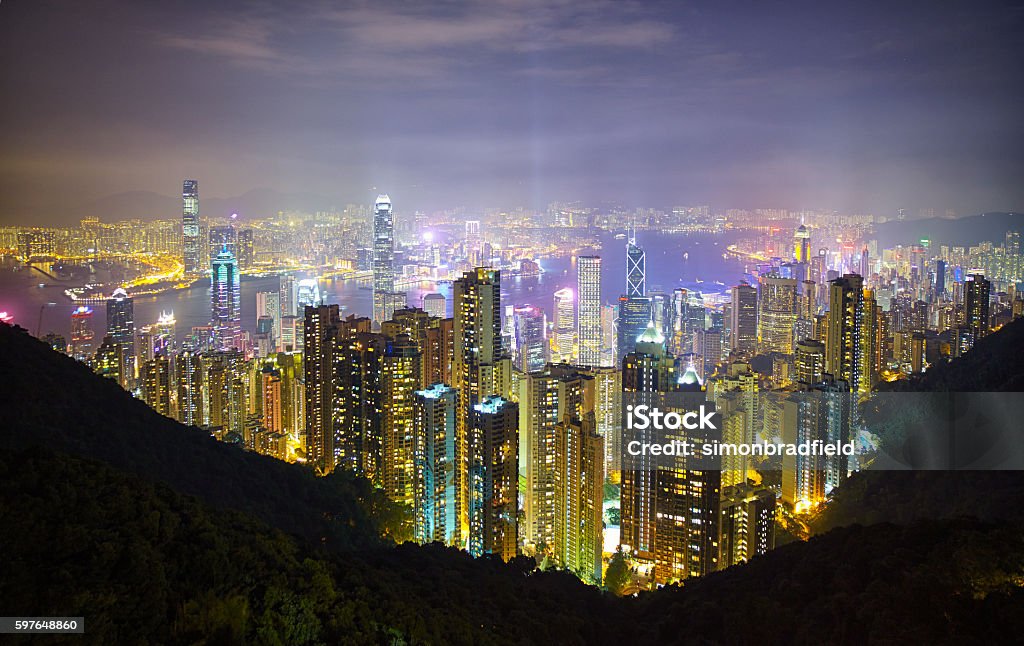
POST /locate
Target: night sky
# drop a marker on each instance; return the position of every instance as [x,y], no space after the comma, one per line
[861,107]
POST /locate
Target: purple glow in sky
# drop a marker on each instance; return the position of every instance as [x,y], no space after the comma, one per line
[853,106]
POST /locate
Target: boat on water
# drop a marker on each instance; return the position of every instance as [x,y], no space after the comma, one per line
[686,256]
[620,236]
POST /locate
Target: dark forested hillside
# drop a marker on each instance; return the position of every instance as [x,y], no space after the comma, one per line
[53,401]
[994,364]
[157,534]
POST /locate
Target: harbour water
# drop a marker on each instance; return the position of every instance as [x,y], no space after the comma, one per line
[692,260]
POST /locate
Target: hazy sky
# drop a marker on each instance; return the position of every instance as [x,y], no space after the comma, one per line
[859,107]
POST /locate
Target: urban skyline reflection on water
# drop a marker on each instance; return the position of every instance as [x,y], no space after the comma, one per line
[22,297]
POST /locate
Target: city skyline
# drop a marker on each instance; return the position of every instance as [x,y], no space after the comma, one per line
[486,104]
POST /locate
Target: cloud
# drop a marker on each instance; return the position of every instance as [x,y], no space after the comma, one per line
[409,41]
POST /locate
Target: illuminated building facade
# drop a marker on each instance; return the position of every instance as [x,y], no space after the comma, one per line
[225,301]
[588,290]
[564,327]
[383,258]
[493,477]
[193,255]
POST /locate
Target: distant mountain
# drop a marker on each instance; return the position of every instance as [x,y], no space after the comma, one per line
[257,203]
[961,232]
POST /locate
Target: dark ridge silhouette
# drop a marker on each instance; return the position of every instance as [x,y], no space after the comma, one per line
[994,364]
[53,401]
[157,534]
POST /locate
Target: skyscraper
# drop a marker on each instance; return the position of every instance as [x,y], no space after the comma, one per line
[802,244]
[547,398]
[530,338]
[401,369]
[189,381]
[121,330]
[636,270]
[564,327]
[634,316]
[320,331]
[579,487]
[493,477]
[976,302]
[434,304]
[193,255]
[809,362]
[588,290]
[81,333]
[268,304]
[843,350]
[437,495]
[744,319]
[479,367]
[287,289]
[383,257]
[225,301]
[156,385]
[778,314]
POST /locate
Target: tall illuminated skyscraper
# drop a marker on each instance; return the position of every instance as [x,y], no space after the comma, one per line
[636,270]
[480,368]
[809,362]
[383,257]
[844,354]
[564,326]
[744,319]
[530,338]
[189,383]
[320,333]
[579,487]
[493,477]
[802,244]
[287,288]
[634,315]
[588,289]
[778,314]
[121,330]
[156,385]
[225,301]
[81,333]
[193,253]
[976,305]
[545,399]
[401,369]
[437,495]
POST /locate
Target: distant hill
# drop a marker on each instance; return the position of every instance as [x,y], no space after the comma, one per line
[257,203]
[962,232]
[158,534]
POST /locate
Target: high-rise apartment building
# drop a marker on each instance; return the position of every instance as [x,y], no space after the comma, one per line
[436,489]
[493,477]
[480,369]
